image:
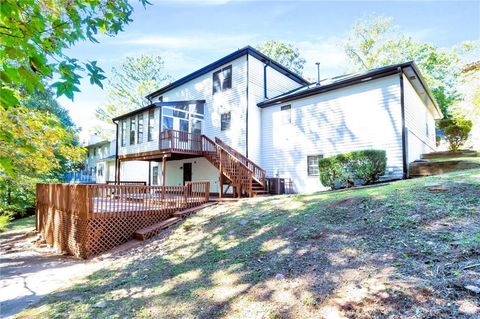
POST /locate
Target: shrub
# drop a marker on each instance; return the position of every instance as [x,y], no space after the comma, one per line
[456,130]
[343,170]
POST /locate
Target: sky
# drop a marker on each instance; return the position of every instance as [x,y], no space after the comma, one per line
[190,34]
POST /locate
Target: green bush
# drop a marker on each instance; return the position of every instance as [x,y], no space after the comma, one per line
[346,170]
[456,130]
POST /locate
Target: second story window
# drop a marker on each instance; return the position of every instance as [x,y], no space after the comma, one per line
[140,129]
[123,137]
[225,119]
[286,114]
[132,130]
[222,79]
[151,121]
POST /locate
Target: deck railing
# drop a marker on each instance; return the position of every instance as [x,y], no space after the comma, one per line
[87,219]
[178,141]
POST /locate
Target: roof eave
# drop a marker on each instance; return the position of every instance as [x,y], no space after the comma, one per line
[232,56]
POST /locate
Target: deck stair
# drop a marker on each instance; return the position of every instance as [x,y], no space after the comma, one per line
[246,177]
[187,212]
[155,229]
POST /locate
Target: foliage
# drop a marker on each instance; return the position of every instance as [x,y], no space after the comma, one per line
[284,53]
[375,42]
[343,169]
[469,106]
[4,221]
[130,83]
[455,130]
[35,34]
[34,146]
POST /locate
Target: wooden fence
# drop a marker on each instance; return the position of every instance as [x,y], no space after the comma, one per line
[85,220]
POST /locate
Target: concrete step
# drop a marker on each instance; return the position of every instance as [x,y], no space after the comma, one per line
[186,212]
[150,231]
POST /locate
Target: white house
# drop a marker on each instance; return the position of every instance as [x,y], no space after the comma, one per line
[245,117]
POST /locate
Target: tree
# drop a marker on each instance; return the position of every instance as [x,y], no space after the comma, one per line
[34,35]
[455,130]
[34,146]
[469,106]
[130,83]
[375,42]
[284,53]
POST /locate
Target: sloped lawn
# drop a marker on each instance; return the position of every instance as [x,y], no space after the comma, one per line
[401,250]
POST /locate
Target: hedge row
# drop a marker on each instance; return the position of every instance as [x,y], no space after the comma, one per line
[358,167]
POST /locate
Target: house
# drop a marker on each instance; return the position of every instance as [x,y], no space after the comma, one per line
[245,117]
[99,165]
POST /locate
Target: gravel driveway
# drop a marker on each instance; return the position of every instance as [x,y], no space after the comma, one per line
[28,273]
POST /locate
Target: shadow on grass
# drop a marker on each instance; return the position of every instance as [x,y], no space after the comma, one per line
[285,257]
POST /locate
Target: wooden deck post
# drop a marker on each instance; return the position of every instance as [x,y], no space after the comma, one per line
[220,168]
[220,189]
[164,167]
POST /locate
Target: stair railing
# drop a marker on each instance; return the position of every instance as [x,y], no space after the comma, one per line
[240,175]
[258,172]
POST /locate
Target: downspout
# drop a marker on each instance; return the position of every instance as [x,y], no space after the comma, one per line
[404,135]
[117,168]
[246,115]
[265,80]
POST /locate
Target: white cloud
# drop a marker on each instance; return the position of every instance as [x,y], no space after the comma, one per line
[191,42]
[328,52]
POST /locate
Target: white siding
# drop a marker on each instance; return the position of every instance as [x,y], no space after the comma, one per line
[202,170]
[134,171]
[419,122]
[233,100]
[145,145]
[366,115]
[277,84]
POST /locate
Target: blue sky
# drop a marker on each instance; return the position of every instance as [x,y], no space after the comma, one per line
[189,34]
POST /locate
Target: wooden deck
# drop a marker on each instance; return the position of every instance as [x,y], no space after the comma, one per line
[84,220]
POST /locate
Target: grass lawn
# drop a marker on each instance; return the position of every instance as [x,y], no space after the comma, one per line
[401,250]
[18,224]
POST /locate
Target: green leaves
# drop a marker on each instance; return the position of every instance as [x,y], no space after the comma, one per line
[95,73]
[375,42]
[34,32]
[284,53]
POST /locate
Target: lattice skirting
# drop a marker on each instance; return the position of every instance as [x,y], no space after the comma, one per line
[87,237]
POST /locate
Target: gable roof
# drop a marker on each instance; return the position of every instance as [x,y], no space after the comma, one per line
[351,79]
[232,56]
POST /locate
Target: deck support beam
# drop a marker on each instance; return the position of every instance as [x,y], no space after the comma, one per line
[164,168]
[220,187]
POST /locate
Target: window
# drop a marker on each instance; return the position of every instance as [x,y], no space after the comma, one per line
[222,79]
[132,130]
[225,121]
[140,129]
[151,120]
[94,151]
[100,170]
[286,114]
[124,133]
[155,175]
[312,164]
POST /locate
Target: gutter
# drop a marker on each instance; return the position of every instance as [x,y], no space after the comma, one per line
[265,80]
[246,115]
[117,168]
[404,129]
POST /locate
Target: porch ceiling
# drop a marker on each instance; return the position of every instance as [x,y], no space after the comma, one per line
[157,156]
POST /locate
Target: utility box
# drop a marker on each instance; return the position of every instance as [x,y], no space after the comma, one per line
[276,186]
